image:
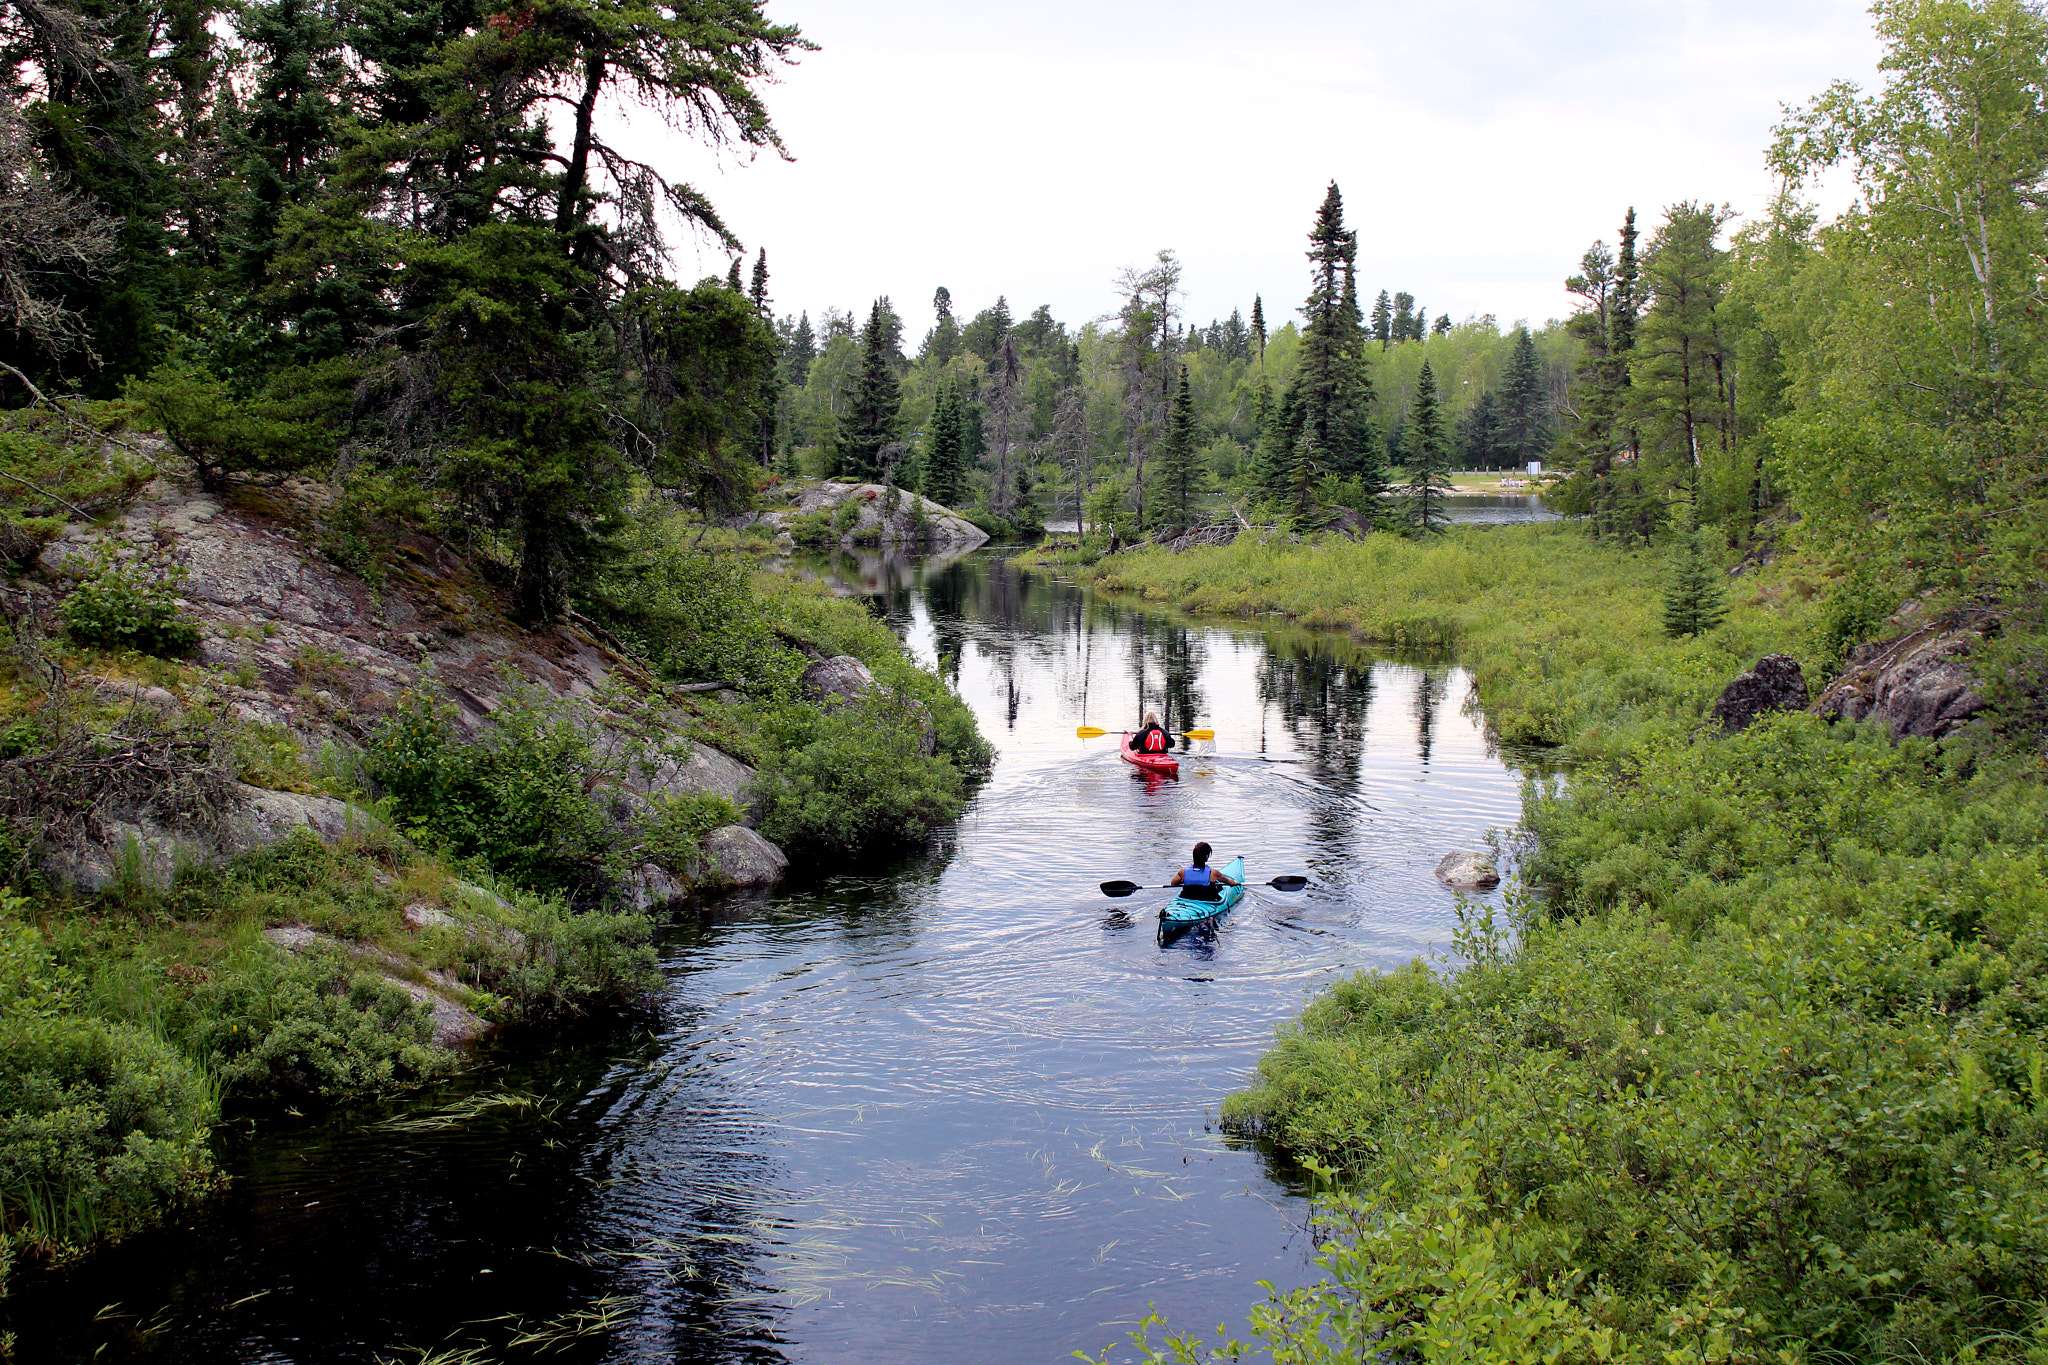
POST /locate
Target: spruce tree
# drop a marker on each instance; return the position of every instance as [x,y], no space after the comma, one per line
[874,403]
[1524,401]
[1427,449]
[945,449]
[1442,326]
[1331,378]
[943,342]
[1403,325]
[1694,600]
[732,277]
[1176,473]
[1383,320]
[1259,329]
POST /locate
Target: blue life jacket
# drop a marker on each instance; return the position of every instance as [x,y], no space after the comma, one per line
[1196,876]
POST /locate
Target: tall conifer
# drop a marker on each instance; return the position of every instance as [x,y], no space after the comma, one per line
[1176,473]
[1427,450]
[945,449]
[1383,320]
[873,405]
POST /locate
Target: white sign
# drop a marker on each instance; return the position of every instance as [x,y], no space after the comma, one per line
[1535,466]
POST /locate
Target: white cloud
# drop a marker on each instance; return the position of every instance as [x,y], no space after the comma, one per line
[1034,151]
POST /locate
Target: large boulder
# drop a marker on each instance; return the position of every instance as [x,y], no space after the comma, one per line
[1774,684]
[705,770]
[744,858]
[1471,871]
[882,515]
[841,676]
[1917,683]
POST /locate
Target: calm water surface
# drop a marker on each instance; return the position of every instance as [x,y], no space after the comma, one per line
[960,1109]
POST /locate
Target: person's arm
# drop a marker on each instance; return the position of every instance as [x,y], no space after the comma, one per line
[1220,879]
[1177,878]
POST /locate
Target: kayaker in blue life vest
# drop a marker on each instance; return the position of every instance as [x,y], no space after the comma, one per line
[1201,874]
[1151,737]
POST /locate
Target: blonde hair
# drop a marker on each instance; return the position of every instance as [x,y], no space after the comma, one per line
[1151,717]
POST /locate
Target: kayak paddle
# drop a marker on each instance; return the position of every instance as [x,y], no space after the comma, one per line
[1126,888]
[1096,732]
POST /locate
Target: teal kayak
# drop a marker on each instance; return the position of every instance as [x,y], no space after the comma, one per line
[1181,910]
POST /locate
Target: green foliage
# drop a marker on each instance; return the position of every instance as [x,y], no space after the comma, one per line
[873,403]
[101,1123]
[518,795]
[1176,474]
[222,432]
[1694,599]
[855,777]
[128,605]
[1428,455]
[693,615]
[1774,1039]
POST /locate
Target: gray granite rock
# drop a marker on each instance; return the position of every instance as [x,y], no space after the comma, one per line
[1474,871]
[743,858]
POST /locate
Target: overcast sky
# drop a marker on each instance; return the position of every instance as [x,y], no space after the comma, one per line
[1032,150]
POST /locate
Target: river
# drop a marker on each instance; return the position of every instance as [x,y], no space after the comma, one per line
[960,1109]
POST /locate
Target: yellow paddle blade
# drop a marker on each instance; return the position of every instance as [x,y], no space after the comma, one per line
[1090,732]
[1199,734]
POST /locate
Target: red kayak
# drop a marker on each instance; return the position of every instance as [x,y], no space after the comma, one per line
[1164,764]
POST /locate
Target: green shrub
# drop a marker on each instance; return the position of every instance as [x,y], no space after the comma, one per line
[278,1028]
[131,605]
[102,1124]
[516,796]
[855,776]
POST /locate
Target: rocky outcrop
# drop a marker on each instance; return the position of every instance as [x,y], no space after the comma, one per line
[310,650]
[140,848]
[743,858]
[1471,871]
[881,514]
[1918,682]
[1774,684]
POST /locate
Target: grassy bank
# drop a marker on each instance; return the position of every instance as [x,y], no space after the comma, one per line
[1764,1078]
[1560,632]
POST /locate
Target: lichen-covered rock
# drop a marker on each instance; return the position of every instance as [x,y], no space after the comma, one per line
[705,770]
[1917,683]
[883,515]
[841,676]
[270,817]
[649,887]
[1474,871]
[743,858]
[1774,684]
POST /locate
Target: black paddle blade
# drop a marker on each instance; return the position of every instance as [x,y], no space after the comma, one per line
[1288,883]
[1120,888]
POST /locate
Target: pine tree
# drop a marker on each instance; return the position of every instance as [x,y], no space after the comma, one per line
[1176,473]
[732,277]
[1383,320]
[945,450]
[757,290]
[1259,329]
[872,408]
[1428,451]
[1421,323]
[1442,326]
[1694,600]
